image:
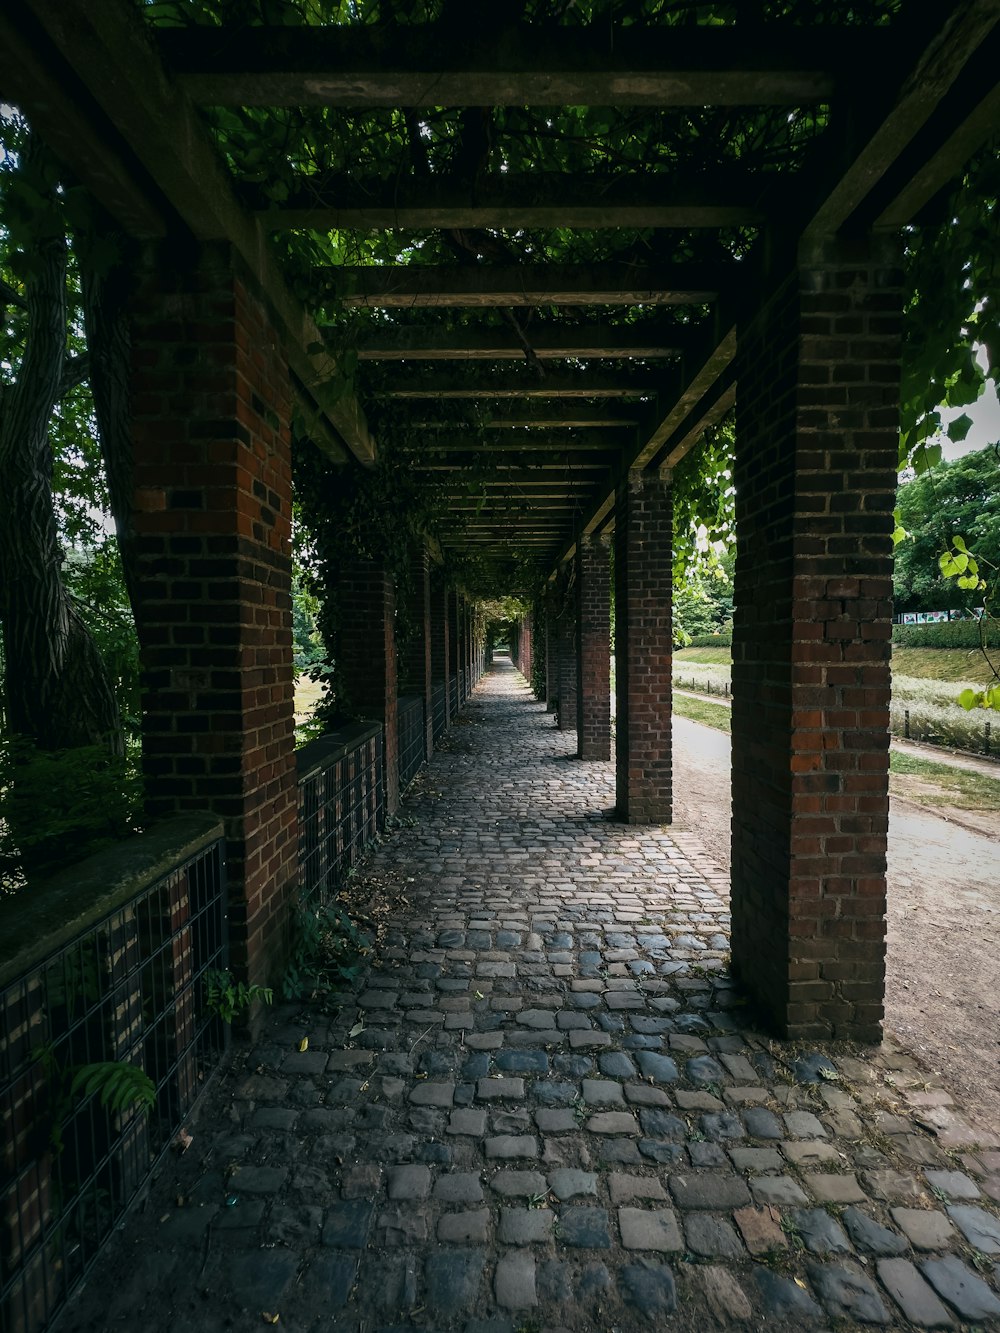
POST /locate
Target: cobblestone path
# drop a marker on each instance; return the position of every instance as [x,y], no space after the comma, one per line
[549,1115]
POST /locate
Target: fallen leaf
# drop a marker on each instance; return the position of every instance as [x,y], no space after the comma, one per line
[357,1029]
[800,1283]
[269,1318]
[304,1044]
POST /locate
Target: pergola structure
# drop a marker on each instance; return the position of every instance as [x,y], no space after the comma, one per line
[566,392]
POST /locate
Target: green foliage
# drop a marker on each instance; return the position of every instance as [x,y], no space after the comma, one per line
[327,950]
[57,807]
[228,999]
[724,639]
[704,503]
[952,306]
[119,1086]
[703,600]
[945,634]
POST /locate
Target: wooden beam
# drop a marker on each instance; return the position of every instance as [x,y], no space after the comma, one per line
[515,202]
[531,417]
[703,375]
[581,442]
[958,32]
[412,286]
[580,384]
[641,342]
[544,467]
[716,403]
[420,65]
[112,50]
[39,81]
[965,120]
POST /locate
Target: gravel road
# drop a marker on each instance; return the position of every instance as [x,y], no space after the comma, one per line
[943,983]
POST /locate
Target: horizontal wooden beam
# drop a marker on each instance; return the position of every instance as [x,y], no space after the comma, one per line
[410,286]
[949,37]
[641,342]
[420,65]
[554,442]
[542,200]
[579,384]
[527,418]
[111,50]
[554,467]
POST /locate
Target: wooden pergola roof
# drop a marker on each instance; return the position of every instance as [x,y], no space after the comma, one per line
[527,424]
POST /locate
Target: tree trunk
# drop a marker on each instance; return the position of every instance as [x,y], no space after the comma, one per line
[57,692]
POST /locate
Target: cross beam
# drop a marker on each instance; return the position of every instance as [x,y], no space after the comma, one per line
[641,342]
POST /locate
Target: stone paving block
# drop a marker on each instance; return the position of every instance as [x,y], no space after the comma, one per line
[707,1154]
[782,1298]
[555,1121]
[659,1068]
[602,1092]
[613,1122]
[526,1226]
[519,1184]
[924,1228]
[809,1153]
[641,1094]
[980,1228]
[847,1293]
[725,1297]
[589,1041]
[500,1089]
[408,1182]
[662,1124]
[954,1184]
[583,1228]
[400,1226]
[756,1159]
[649,1229]
[469,1228]
[697,1101]
[760,1229]
[257,1179]
[567,1183]
[467,1120]
[870,1237]
[459,1187]
[347,1224]
[453,1280]
[892,1186]
[508,1146]
[834,1189]
[616,1064]
[712,1236]
[709,1191]
[261,1278]
[650,1287]
[914,1296]
[762,1124]
[963,1289]
[819,1231]
[329,1279]
[804,1125]
[433,1094]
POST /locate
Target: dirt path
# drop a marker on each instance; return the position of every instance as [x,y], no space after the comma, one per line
[943,986]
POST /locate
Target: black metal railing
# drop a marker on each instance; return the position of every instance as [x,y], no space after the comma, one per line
[439,706]
[341,803]
[453,695]
[102,982]
[412,739]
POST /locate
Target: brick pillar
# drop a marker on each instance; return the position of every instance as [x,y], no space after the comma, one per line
[365,654]
[551,664]
[439,646]
[454,654]
[593,648]
[212,522]
[566,633]
[815,485]
[415,661]
[643,649]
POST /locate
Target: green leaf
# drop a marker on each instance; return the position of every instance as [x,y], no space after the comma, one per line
[959,543]
[959,428]
[969,699]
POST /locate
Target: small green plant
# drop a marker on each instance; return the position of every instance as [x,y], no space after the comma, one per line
[228,998]
[119,1086]
[327,949]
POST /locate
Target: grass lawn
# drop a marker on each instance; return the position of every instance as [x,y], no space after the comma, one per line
[933,784]
[965,664]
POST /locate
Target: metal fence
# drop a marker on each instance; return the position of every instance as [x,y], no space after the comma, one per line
[123,985]
[439,705]
[412,739]
[453,695]
[341,803]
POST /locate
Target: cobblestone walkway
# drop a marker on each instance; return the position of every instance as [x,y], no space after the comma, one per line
[549,1115]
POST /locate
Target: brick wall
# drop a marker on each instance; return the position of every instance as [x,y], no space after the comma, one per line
[566,636]
[593,648]
[415,662]
[211,402]
[815,485]
[643,649]
[365,653]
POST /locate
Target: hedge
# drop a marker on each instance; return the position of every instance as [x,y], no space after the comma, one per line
[944,634]
[724,639]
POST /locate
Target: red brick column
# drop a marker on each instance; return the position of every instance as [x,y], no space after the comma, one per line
[439,640]
[454,652]
[593,648]
[815,486]
[551,663]
[211,403]
[365,654]
[643,649]
[415,662]
[568,684]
